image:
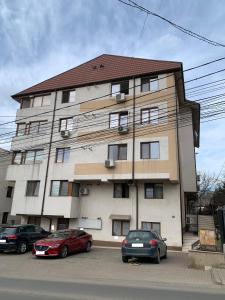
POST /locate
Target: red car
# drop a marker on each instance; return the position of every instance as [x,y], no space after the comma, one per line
[61,243]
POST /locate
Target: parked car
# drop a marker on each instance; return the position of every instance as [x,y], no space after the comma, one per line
[62,242]
[20,237]
[143,243]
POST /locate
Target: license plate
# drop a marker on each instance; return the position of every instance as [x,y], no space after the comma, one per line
[40,252]
[137,245]
[2,241]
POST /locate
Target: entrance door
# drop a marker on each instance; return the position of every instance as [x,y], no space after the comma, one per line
[62,223]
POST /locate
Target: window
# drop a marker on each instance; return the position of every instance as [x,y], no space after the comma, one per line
[33,188]
[150,150]
[151,226]
[9,192]
[66,124]
[149,84]
[62,223]
[17,158]
[5,217]
[62,155]
[68,96]
[153,191]
[33,156]
[121,190]
[117,152]
[42,100]
[120,227]
[37,127]
[59,188]
[118,119]
[75,189]
[25,103]
[120,87]
[21,129]
[150,115]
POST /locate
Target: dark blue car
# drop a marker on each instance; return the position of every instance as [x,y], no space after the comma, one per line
[143,243]
[20,237]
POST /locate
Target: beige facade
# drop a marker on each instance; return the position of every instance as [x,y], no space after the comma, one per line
[96,208]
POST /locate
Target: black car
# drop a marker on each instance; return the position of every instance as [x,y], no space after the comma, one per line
[143,243]
[20,237]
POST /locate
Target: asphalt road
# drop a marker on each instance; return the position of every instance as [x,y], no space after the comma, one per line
[36,289]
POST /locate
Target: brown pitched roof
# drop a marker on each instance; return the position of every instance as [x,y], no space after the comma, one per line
[101,69]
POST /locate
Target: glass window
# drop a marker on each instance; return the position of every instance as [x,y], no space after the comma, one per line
[29,158]
[120,227]
[17,158]
[150,150]
[121,190]
[25,103]
[75,189]
[21,129]
[9,191]
[115,89]
[62,155]
[154,84]
[114,120]
[39,155]
[145,116]
[144,84]
[37,101]
[68,96]
[120,87]
[149,84]
[32,188]
[150,115]
[117,152]
[59,188]
[154,226]
[153,191]
[72,96]
[118,119]
[66,124]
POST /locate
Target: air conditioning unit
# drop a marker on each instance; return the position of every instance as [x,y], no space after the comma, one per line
[120,98]
[109,163]
[84,191]
[123,129]
[65,133]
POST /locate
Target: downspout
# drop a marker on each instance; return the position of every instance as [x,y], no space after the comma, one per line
[133,157]
[48,161]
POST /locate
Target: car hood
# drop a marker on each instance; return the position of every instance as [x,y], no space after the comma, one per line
[49,242]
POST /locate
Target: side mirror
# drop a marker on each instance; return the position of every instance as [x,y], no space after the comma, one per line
[164,239]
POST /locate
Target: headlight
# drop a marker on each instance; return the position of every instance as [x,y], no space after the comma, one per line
[55,246]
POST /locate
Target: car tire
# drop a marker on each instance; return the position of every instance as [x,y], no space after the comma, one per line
[22,247]
[88,247]
[157,259]
[63,252]
[125,259]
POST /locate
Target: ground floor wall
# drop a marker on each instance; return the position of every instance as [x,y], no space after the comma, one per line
[101,214]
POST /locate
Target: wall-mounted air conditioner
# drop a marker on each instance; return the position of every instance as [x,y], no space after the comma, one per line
[65,133]
[123,129]
[84,191]
[109,163]
[120,98]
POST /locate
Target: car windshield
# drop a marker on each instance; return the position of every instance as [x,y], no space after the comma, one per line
[141,235]
[59,235]
[7,230]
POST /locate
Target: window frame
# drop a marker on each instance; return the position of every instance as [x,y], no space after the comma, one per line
[42,99]
[63,155]
[60,124]
[154,191]
[149,78]
[125,190]
[60,188]
[149,116]
[33,188]
[35,157]
[119,114]
[118,152]
[9,192]
[149,150]
[121,227]
[68,100]
[14,156]
[39,126]
[151,226]
[120,92]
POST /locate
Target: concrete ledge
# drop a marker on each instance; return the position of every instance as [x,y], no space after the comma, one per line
[118,245]
[199,259]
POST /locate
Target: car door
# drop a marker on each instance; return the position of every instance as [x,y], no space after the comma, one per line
[83,239]
[161,243]
[39,233]
[30,234]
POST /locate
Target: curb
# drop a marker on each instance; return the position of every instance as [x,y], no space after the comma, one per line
[217,277]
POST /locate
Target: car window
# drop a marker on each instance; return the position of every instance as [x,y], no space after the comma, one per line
[59,235]
[8,230]
[38,229]
[29,228]
[81,233]
[143,235]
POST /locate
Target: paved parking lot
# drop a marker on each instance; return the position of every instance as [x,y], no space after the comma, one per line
[102,264]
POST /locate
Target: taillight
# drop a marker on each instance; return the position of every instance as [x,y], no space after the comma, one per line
[11,237]
[125,242]
[153,243]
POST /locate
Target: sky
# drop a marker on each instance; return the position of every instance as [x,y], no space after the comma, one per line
[39,39]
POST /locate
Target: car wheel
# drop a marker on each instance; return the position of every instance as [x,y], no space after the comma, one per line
[157,259]
[22,248]
[64,252]
[88,247]
[125,259]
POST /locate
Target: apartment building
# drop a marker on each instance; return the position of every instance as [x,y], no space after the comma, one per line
[6,190]
[107,146]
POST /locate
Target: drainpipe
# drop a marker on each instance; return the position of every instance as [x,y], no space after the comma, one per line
[133,157]
[48,161]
